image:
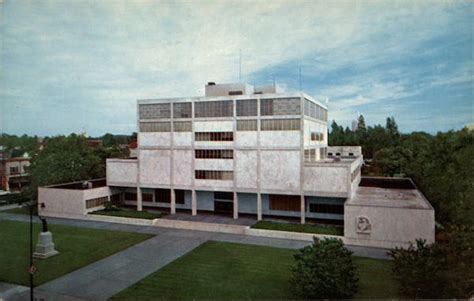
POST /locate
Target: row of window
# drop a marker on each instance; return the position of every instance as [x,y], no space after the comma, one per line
[96,202]
[310,154]
[161,196]
[242,125]
[214,175]
[316,136]
[326,208]
[214,136]
[222,108]
[214,154]
[314,110]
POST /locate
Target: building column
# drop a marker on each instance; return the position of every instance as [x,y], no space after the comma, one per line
[139,199]
[173,202]
[303,207]
[259,207]
[193,202]
[236,206]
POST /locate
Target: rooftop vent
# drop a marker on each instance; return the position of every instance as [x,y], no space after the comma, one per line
[211,83]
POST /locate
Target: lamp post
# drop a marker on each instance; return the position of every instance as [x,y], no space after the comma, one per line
[32,268]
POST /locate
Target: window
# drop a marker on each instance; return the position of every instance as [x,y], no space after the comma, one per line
[154,111]
[326,208]
[214,154]
[155,126]
[246,125]
[223,108]
[223,195]
[182,126]
[280,106]
[182,110]
[235,93]
[351,154]
[214,136]
[280,125]
[179,196]
[96,202]
[147,197]
[130,196]
[314,110]
[163,195]
[246,107]
[307,155]
[14,169]
[285,202]
[214,175]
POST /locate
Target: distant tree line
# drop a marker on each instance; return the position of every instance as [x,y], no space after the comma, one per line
[442,167]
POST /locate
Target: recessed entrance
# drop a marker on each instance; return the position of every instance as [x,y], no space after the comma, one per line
[223,202]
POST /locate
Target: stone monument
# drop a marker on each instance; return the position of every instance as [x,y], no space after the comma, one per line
[45,245]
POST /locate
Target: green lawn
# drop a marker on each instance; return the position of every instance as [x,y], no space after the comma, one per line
[220,270]
[305,228]
[124,212]
[77,246]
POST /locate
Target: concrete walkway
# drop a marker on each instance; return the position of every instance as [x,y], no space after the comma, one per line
[104,278]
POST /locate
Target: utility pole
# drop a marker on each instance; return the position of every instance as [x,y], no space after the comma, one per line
[300,78]
[240,65]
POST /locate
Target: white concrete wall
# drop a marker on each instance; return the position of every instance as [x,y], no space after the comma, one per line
[389,226]
[280,170]
[213,164]
[244,138]
[327,180]
[61,201]
[245,169]
[213,126]
[155,167]
[182,138]
[182,162]
[280,138]
[121,172]
[345,150]
[154,139]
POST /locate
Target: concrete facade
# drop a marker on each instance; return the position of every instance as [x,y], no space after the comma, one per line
[255,151]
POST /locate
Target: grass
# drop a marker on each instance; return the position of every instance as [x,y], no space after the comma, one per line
[304,228]
[221,270]
[77,247]
[124,212]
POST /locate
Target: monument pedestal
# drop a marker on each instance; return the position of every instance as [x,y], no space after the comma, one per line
[45,246]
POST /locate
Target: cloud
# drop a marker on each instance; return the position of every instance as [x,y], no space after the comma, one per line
[98,57]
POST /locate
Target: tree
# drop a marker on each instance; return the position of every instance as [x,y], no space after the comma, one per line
[361,129]
[392,130]
[108,140]
[64,159]
[324,270]
[419,270]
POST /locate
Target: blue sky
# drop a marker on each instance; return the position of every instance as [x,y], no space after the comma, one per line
[78,66]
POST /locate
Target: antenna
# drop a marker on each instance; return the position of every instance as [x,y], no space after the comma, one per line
[273,79]
[300,77]
[240,65]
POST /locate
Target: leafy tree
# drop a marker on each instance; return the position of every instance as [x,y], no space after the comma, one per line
[108,140]
[324,270]
[361,129]
[64,159]
[419,270]
[392,130]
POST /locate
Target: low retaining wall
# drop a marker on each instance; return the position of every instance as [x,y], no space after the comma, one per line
[104,218]
[231,229]
[199,226]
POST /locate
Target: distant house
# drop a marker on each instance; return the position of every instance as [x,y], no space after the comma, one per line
[14,170]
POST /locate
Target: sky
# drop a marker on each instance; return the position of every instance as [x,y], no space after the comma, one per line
[79,66]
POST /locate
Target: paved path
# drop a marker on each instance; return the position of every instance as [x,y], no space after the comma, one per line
[106,277]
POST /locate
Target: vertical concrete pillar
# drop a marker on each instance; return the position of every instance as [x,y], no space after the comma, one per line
[236,206]
[173,202]
[193,202]
[139,199]
[303,208]
[259,206]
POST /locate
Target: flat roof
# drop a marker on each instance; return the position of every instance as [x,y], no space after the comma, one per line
[81,185]
[389,192]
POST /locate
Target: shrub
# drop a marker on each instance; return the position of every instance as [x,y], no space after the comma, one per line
[109,206]
[324,270]
[419,270]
